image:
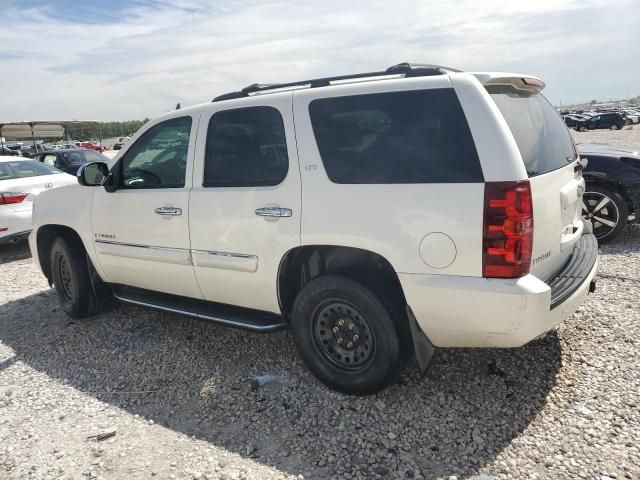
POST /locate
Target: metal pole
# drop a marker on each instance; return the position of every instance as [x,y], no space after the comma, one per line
[33,138]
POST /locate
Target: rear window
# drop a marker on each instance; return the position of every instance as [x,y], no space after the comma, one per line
[542,136]
[24,169]
[417,136]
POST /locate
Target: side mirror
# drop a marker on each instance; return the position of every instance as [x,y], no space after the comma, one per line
[93,174]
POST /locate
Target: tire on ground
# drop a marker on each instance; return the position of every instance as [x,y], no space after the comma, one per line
[381,366]
[71,279]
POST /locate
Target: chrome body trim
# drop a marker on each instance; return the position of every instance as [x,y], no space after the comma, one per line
[277,212]
[241,262]
[139,245]
[179,256]
[169,211]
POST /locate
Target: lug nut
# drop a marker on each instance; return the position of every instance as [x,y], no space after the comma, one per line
[335,329]
[341,322]
[339,340]
[355,338]
[351,325]
[349,344]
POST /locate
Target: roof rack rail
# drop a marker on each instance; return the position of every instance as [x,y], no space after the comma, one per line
[406,69]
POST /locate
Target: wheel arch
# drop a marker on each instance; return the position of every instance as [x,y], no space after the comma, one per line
[302,264]
[45,237]
[605,182]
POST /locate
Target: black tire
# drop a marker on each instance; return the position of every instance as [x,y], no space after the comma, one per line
[71,279]
[346,335]
[614,210]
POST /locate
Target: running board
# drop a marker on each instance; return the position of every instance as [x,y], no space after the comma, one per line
[227,315]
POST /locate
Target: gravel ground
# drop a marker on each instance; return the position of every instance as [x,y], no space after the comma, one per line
[194,400]
[629,136]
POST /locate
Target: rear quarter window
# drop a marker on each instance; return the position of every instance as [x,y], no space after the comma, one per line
[419,136]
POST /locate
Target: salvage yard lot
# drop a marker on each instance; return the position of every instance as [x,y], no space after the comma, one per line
[194,400]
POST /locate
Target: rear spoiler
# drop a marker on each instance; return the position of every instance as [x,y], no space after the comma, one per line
[515,80]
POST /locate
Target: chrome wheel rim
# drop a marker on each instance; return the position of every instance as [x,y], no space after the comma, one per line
[342,334]
[602,211]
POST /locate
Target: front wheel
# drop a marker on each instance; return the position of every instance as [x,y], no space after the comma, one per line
[71,279]
[607,211]
[347,337]
[614,127]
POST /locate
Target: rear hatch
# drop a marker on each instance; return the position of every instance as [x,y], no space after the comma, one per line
[550,158]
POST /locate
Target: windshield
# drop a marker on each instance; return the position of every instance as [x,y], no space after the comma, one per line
[542,136]
[24,169]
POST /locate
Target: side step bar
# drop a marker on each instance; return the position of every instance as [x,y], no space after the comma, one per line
[228,315]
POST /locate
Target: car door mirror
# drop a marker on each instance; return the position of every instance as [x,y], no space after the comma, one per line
[93,174]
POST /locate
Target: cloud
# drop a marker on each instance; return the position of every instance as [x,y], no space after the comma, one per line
[138,59]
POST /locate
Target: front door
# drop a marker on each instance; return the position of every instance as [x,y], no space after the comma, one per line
[141,231]
[245,203]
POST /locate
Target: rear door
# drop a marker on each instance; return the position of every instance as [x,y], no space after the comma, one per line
[244,208]
[557,185]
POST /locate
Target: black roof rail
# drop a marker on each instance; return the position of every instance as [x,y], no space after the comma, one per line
[406,69]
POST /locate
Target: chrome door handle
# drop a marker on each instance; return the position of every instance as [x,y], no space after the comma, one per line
[274,212]
[171,211]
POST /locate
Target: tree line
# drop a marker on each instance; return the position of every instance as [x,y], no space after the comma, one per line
[98,130]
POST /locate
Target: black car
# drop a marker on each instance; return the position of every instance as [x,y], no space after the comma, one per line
[612,121]
[6,151]
[69,160]
[612,196]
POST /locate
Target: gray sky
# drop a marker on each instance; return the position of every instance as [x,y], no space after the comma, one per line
[119,59]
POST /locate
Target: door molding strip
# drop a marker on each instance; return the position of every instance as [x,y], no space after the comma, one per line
[242,262]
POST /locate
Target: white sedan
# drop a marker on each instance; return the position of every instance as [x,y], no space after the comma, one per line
[20,182]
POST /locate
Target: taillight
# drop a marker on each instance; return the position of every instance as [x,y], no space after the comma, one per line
[12,197]
[508,229]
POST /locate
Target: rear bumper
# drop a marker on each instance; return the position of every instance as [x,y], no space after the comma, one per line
[479,312]
[17,223]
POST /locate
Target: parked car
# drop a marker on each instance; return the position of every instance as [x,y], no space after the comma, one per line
[612,196]
[89,146]
[632,116]
[8,152]
[612,121]
[21,181]
[70,160]
[376,215]
[572,120]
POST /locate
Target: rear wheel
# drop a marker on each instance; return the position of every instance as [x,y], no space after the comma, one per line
[607,211]
[347,337]
[71,279]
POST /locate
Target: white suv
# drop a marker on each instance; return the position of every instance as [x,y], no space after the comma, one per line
[376,215]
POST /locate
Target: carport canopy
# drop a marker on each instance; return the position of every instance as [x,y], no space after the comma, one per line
[36,129]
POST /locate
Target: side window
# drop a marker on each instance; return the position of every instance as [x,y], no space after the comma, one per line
[49,160]
[158,159]
[93,156]
[419,136]
[246,148]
